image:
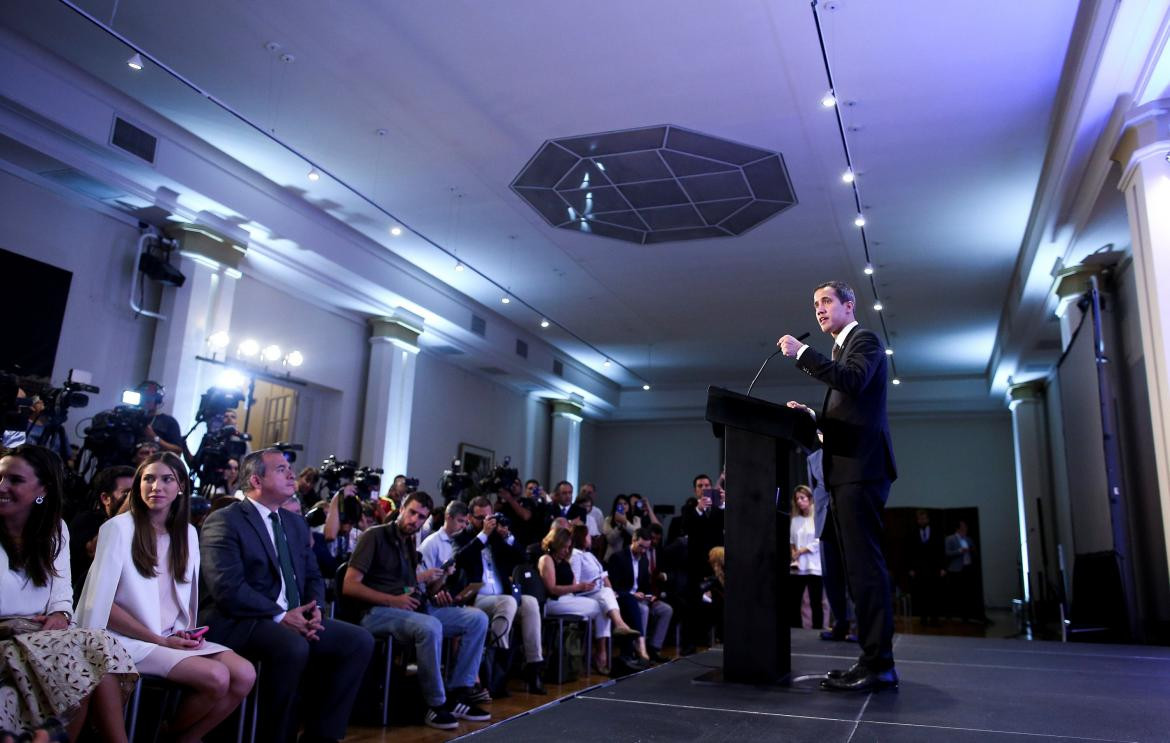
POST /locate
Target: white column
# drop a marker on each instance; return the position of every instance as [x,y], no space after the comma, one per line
[199,308]
[390,391]
[533,404]
[565,447]
[1030,441]
[1143,153]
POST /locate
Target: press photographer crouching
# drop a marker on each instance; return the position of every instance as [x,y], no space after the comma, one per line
[488,553]
[410,603]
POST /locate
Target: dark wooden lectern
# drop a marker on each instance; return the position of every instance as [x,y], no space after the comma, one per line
[764,443]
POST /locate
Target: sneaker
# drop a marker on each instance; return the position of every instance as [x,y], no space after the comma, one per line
[464,709]
[479,695]
[437,717]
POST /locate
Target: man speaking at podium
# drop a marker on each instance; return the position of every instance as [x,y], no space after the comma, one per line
[858,467]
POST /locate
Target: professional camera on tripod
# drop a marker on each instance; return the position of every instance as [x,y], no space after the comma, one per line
[45,427]
[501,478]
[455,484]
[223,440]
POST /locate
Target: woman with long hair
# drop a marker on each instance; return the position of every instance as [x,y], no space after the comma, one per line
[806,560]
[143,586]
[619,526]
[52,672]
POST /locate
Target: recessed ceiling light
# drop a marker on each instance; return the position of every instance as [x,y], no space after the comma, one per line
[135,62]
[543,323]
[860,221]
[396,230]
[897,381]
[646,387]
[868,270]
[458,266]
[877,306]
[829,100]
[505,299]
[889,352]
[314,175]
[847,176]
[606,363]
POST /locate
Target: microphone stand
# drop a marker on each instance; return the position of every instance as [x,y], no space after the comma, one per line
[801,337]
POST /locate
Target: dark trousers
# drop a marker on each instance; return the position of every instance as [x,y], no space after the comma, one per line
[857,510]
[833,576]
[329,672]
[926,591]
[815,600]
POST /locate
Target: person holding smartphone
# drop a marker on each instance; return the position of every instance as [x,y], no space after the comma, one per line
[143,588]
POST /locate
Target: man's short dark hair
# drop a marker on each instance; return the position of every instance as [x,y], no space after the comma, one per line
[532,482]
[642,533]
[253,464]
[700,477]
[655,529]
[843,291]
[557,489]
[106,480]
[456,508]
[479,501]
[421,498]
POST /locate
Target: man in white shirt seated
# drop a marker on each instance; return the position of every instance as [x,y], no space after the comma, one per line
[488,554]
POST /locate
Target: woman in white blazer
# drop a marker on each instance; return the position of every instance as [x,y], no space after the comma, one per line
[143,587]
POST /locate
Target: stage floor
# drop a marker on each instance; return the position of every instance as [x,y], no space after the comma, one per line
[953,689]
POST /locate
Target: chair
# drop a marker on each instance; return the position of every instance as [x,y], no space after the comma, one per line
[560,621]
[170,697]
[376,683]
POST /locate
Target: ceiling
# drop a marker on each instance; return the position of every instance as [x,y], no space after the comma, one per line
[423,114]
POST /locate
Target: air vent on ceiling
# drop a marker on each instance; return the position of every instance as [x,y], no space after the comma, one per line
[478,325]
[495,371]
[446,350]
[558,367]
[521,348]
[137,142]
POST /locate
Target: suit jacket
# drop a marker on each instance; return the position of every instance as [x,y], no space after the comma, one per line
[925,557]
[621,573]
[240,580]
[114,579]
[553,510]
[505,557]
[954,550]
[857,442]
[704,531]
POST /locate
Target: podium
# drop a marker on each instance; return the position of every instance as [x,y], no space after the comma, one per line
[764,444]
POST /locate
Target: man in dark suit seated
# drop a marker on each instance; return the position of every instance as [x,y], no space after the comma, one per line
[562,506]
[859,468]
[631,576]
[261,595]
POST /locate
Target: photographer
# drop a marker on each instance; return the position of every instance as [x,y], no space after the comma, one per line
[110,488]
[159,427]
[488,554]
[307,488]
[522,511]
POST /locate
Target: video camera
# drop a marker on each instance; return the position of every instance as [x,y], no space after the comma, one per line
[501,478]
[455,484]
[15,411]
[223,441]
[368,481]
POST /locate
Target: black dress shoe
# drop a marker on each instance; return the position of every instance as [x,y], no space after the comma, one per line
[853,670]
[657,657]
[865,681]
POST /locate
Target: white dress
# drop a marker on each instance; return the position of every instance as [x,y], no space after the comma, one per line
[163,604]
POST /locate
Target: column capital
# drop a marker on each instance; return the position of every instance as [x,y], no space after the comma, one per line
[570,408]
[1024,392]
[206,246]
[1145,136]
[1073,281]
[401,328]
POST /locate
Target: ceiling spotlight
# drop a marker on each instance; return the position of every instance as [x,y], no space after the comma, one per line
[646,387]
[829,100]
[249,348]
[606,363]
[897,381]
[505,299]
[219,340]
[396,230]
[294,359]
[543,323]
[889,352]
[135,62]
[877,306]
[860,221]
[458,265]
[868,270]
[314,175]
[270,353]
[847,176]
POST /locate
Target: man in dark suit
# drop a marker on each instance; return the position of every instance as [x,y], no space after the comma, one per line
[563,506]
[703,525]
[261,595]
[925,556]
[859,467]
[631,576]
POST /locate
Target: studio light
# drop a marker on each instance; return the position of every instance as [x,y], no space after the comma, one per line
[271,353]
[294,359]
[646,387]
[135,62]
[219,341]
[314,175]
[458,265]
[505,299]
[606,363]
[232,379]
[897,381]
[249,348]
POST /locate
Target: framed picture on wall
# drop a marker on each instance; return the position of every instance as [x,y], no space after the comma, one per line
[477,461]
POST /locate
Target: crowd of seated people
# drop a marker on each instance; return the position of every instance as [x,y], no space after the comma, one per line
[234,597]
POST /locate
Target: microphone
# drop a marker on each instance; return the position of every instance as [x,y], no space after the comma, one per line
[800,337]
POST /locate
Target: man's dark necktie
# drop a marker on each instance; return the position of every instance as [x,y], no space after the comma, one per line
[285,558]
[836,351]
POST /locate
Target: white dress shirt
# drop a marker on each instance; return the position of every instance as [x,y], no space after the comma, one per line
[282,599]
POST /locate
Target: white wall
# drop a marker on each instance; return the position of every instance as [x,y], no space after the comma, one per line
[656,459]
[453,406]
[961,461]
[336,350]
[100,333]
